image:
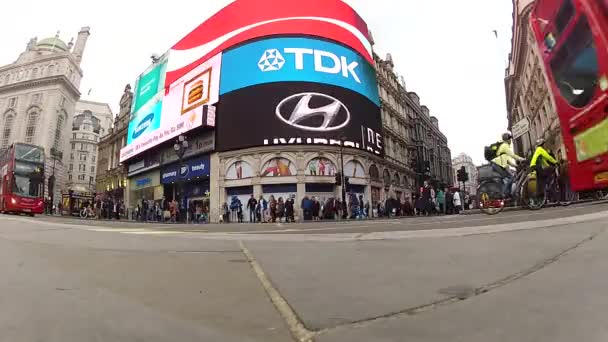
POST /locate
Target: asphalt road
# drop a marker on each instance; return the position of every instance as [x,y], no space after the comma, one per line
[336,227]
[519,276]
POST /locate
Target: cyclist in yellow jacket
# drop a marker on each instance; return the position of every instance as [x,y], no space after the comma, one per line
[543,163]
[506,158]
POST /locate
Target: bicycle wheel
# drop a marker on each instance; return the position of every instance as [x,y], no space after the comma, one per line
[491,199]
[83,214]
[529,197]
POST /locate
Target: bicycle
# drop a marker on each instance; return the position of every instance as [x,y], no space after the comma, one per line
[491,195]
[86,213]
[492,199]
[552,189]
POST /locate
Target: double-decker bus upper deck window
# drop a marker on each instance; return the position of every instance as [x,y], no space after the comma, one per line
[29,153]
[566,12]
[575,65]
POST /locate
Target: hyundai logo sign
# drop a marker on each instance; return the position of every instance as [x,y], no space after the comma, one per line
[313,112]
[143,125]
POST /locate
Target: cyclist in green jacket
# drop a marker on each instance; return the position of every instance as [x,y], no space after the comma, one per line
[543,163]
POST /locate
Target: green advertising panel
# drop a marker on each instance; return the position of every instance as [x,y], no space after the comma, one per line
[149,84]
[592,142]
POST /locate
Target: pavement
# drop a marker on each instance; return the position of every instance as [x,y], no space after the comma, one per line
[517,276]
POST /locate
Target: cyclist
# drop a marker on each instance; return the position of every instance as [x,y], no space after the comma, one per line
[505,157]
[543,163]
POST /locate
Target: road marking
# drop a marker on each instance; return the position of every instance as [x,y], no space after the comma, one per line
[297,328]
[153,232]
[115,230]
[409,234]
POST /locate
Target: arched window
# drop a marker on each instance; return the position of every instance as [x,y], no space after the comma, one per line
[30,129]
[57,138]
[374,173]
[7,78]
[34,72]
[387,177]
[6,130]
[51,70]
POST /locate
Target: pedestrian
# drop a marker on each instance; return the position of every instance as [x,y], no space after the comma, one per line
[307,208]
[441,201]
[273,209]
[144,209]
[280,209]
[316,208]
[251,207]
[449,201]
[289,210]
[457,202]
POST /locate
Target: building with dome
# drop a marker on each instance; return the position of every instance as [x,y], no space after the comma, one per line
[38,95]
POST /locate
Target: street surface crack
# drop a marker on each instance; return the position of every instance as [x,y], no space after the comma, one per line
[458,297]
[298,331]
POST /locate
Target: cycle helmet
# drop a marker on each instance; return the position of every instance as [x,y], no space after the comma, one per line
[540,142]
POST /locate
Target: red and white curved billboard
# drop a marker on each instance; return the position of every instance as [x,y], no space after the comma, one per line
[243,20]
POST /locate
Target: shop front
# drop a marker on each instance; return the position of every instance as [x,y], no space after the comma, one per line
[145,186]
[74,200]
[188,183]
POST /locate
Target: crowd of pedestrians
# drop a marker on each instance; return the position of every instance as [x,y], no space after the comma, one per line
[430,201]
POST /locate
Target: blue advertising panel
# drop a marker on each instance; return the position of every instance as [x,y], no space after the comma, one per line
[147,119]
[189,169]
[297,59]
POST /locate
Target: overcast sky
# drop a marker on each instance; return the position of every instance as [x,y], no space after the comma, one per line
[445,49]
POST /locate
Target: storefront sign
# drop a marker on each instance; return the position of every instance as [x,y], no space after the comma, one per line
[147,163]
[189,169]
[146,180]
[202,144]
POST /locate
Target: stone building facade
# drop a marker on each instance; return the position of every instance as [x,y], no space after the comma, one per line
[466,161]
[111,176]
[526,86]
[415,150]
[414,144]
[92,121]
[38,95]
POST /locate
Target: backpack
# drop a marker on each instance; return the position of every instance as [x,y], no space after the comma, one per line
[491,152]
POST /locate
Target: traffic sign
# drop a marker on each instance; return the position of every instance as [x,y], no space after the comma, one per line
[520,128]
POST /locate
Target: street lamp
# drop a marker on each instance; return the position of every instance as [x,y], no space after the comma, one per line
[342,180]
[51,182]
[180,147]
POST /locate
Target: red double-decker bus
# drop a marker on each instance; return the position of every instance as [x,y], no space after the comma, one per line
[22,179]
[573,39]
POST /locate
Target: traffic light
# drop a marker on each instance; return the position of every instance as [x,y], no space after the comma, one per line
[346,181]
[338,178]
[462,175]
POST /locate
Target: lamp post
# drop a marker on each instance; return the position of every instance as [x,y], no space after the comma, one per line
[51,182]
[342,180]
[180,147]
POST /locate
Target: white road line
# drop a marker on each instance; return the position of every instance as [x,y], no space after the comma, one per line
[154,232]
[115,230]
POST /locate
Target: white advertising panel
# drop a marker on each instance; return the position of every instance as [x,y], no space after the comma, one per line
[182,106]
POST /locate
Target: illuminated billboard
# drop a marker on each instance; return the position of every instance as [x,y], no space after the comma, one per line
[184,105]
[145,120]
[298,113]
[149,85]
[297,59]
[244,20]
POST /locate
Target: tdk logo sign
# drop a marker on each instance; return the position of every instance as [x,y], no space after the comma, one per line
[143,125]
[321,61]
